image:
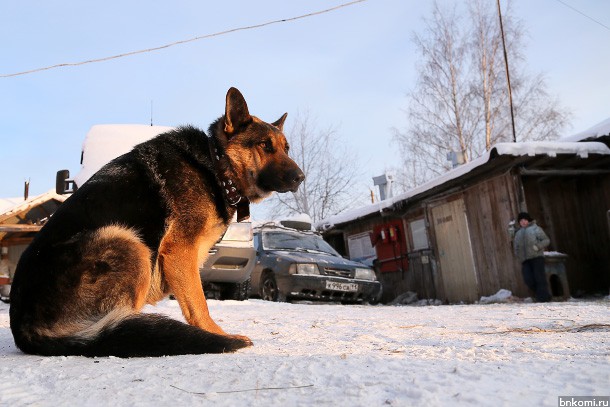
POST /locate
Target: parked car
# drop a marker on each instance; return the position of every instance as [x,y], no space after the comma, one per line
[225,275]
[298,264]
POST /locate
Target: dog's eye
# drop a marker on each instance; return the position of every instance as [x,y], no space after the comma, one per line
[267,146]
[287,148]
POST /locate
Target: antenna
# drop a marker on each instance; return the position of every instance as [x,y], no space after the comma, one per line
[151,112]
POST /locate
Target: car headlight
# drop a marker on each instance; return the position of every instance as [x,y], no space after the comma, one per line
[304,268]
[364,274]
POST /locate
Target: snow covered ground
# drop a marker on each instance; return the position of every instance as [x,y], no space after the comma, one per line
[322,354]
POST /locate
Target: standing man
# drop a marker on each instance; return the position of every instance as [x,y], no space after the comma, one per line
[530,242]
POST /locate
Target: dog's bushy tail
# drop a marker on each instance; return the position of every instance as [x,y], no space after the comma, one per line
[138,335]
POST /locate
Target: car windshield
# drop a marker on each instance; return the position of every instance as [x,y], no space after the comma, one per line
[285,240]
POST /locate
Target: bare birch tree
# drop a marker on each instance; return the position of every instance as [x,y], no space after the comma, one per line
[488,66]
[460,101]
[538,115]
[330,172]
[440,113]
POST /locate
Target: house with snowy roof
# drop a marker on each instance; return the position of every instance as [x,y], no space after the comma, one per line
[20,220]
[451,238]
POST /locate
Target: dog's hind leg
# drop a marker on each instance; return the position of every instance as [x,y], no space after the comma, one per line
[116,271]
[98,277]
[95,279]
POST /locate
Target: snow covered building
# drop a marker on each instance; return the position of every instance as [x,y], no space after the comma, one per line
[450,238]
[21,219]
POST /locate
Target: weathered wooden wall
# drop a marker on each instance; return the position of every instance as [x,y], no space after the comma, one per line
[490,205]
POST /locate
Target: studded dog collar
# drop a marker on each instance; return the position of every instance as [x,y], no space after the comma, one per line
[229,187]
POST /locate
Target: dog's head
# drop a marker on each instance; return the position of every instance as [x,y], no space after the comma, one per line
[257,151]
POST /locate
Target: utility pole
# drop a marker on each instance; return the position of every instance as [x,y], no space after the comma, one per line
[510,93]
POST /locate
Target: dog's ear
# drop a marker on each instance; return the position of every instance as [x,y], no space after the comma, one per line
[236,112]
[280,122]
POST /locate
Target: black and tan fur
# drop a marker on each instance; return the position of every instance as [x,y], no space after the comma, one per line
[136,232]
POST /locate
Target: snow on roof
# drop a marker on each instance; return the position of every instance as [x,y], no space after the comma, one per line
[105,142]
[599,130]
[7,203]
[11,206]
[549,148]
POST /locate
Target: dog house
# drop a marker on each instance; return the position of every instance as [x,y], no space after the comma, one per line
[555,268]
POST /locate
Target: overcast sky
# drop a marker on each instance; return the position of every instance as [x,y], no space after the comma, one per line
[350,68]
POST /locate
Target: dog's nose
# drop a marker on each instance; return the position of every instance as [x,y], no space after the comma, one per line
[297,177]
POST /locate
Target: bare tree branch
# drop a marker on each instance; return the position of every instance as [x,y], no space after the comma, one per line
[330,172]
[459,102]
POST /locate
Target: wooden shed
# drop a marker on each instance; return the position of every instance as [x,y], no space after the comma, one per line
[451,237]
[21,219]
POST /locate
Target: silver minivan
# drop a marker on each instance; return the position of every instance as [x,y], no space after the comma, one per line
[225,274]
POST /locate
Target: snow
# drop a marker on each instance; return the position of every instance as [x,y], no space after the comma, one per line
[7,204]
[105,142]
[549,148]
[325,354]
[12,206]
[600,129]
[501,296]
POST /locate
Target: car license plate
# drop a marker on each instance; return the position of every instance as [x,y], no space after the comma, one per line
[348,287]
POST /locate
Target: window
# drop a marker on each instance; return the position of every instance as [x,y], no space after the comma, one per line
[360,246]
[419,235]
[288,240]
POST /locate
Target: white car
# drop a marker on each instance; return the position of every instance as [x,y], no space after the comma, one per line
[225,274]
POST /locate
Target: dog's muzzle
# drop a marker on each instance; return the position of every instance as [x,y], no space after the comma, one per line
[296,177]
[280,178]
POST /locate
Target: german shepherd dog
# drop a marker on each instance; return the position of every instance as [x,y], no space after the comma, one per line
[136,231]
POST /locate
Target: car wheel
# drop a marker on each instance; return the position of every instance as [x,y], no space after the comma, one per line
[239,291]
[270,290]
[211,291]
[376,298]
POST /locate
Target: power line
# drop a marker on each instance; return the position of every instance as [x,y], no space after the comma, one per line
[584,15]
[217,34]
